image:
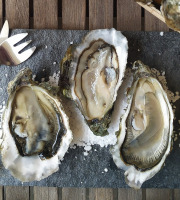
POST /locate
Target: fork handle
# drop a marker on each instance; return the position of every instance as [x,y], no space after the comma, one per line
[5,58]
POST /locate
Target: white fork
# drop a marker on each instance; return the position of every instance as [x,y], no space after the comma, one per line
[9,53]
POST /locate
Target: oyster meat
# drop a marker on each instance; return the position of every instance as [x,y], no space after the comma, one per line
[144,138]
[92,73]
[36,133]
[171,11]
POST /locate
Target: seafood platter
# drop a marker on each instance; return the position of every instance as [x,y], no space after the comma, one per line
[92,109]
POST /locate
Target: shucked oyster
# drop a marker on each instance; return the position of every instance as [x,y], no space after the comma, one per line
[171,12]
[144,139]
[36,132]
[92,73]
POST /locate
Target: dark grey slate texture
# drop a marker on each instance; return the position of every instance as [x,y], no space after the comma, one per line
[160,52]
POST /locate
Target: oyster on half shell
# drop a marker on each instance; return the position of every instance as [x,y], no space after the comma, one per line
[91,74]
[171,11]
[36,133]
[144,138]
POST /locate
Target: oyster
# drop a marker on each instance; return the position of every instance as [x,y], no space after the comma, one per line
[171,11]
[146,128]
[91,74]
[36,133]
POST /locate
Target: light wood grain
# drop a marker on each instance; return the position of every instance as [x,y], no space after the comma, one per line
[129,194]
[154,11]
[100,14]
[1,13]
[73,193]
[159,194]
[17,13]
[100,194]
[154,24]
[45,193]
[128,15]
[45,14]
[73,14]
[16,193]
[176,194]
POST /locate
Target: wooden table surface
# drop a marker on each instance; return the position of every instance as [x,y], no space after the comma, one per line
[80,14]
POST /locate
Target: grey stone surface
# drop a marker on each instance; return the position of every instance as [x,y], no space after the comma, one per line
[161,52]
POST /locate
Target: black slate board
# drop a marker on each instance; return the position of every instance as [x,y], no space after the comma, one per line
[161,52]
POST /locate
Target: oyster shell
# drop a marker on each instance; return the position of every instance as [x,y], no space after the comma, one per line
[171,11]
[144,138]
[36,133]
[92,73]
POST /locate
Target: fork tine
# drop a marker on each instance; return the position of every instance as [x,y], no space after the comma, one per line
[22,46]
[16,38]
[5,30]
[26,54]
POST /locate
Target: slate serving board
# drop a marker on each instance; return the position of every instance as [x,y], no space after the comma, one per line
[160,52]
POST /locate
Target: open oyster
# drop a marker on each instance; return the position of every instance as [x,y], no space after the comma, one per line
[92,73]
[171,11]
[144,139]
[36,132]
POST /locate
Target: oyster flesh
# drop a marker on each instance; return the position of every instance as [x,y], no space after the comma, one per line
[171,11]
[91,74]
[36,133]
[144,138]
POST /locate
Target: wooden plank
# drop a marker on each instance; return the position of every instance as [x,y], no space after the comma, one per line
[17,13]
[15,192]
[100,194]
[129,194]
[73,14]
[1,192]
[128,15]
[45,193]
[154,24]
[31,193]
[100,14]
[176,194]
[45,14]
[159,194]
[1,13]
[73,193]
